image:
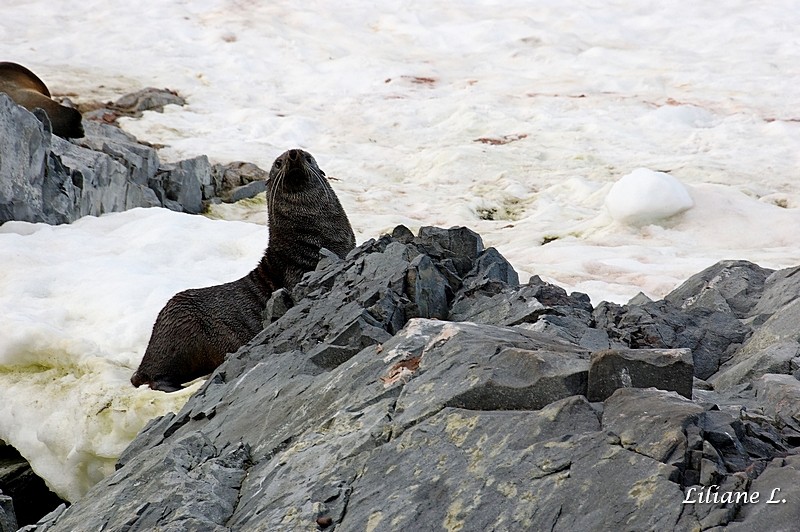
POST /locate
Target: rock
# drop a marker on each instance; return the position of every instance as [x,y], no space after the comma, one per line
[238,180]
[777,487]
[148,99]
[711,335]
[780,288]
[779,396]
[24,148]
[8,519]
[359,407]
[44,178]
[510,479]
[536,306]
[247,191]
[31,497]
[278,304]
[653,423]
[184,182]
[197,482]
[730,286]
[665,369]
[479,367]
[131,105]
[773,348]
[460,242]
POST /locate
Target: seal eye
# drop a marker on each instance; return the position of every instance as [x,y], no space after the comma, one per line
[277,164]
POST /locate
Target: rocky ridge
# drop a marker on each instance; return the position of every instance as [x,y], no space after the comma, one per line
[417,385]
[44,178]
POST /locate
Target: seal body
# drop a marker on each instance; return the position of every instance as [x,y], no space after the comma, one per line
[27,90]
[197,327]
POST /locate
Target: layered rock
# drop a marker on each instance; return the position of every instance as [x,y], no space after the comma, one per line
[44,178]
[416,383]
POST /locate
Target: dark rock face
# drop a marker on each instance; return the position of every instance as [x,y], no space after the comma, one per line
[712,335]
[667,369]
[8,519]
[44,178]
[24,497]
[415,381]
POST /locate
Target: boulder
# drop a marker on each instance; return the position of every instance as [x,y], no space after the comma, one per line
[773,348]
[24,149]
[730,286]
[665,369]
[8,519]
[712,335]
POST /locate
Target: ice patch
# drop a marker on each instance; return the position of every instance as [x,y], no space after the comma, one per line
[646,197]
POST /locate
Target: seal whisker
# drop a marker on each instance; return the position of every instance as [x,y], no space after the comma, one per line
[324,184]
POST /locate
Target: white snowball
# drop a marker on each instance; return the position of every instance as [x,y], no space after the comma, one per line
[646,197]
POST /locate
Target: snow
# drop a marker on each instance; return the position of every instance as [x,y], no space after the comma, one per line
[645,197]
[519,120]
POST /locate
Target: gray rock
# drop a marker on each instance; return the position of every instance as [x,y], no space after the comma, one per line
[44,178]
[459,241]
[147,99]
[779,396]
[479,367]
[247,191]
[730,286]
[359,408]
[238,180]
[426,288]
[278,304]
[653,423]
[665,369]
[773,348]
[183,182]
[24,147]
[779,489]
[8,519]
[31,497]
[190,485]
[536,306]
[140,161]
[491,268]
[539,478]
[780,288]
[712,335]
[47,521]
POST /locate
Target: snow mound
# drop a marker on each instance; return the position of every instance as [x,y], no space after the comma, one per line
[646,197]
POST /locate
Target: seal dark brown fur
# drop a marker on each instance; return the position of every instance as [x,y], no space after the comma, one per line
[197,327]
[27,90]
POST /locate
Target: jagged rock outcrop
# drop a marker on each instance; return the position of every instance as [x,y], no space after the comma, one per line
[28,498]
[8,519]
[44,178]
[417,384]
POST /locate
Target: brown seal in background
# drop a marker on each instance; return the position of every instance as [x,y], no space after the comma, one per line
[197,327]
[27,90]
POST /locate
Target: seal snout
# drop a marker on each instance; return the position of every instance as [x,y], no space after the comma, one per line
[295,159]
[297,167]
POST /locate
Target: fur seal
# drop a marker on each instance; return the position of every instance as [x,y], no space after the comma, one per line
[27,90]
[197,327]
